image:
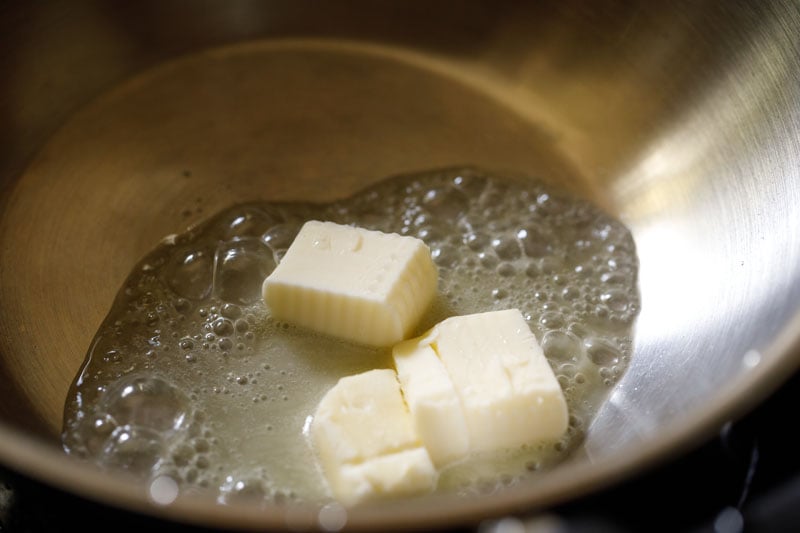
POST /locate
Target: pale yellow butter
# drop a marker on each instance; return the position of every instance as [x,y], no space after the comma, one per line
[366,442]
[506,394]
[361,285]
[432,400]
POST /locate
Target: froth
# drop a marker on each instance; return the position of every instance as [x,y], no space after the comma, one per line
[189,377]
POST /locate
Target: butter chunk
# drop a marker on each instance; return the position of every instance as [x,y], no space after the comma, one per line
[432,400]
[366,442]
[365,286]
[507,392]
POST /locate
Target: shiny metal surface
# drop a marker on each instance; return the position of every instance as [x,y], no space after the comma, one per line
[683,119]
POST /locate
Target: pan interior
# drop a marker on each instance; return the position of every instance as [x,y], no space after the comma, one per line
[293,122]
[702,166]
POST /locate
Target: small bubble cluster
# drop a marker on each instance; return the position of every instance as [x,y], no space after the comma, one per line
[189,377]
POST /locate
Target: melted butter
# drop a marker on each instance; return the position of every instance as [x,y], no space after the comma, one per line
[189,377]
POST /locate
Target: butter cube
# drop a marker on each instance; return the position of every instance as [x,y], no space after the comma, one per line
[432,400]
[507,393]
[365,286]
[366,442]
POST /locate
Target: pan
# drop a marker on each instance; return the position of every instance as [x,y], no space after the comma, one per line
[126,123]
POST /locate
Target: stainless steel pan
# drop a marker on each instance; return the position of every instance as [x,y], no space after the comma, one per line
[681,118]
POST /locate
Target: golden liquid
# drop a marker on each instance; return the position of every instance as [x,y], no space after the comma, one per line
[190,378]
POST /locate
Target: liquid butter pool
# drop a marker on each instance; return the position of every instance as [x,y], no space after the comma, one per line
[189,379]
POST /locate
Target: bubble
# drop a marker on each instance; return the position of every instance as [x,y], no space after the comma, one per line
[506,248]
[247,221]
[505,270]
[445,256]
[182,454]
[562,346]
[470,184]
[499,294]
[240,271]
[201,445]
[112,356]
[601,352]
[492,197]
[549,265]
[547,204]
[222,327]
[602,230]
[568,369]
[132,448]
[190,272]
[615,300]
[99,428]
[570,293]
[476,240]
[280,236]
[225,344]
[243,488]
[579,330]
[551,320]
[448,203]
[231,311]
[580,253]
[534,243]
[182,306]
[148,402]
[488,259]
[428,234]
[186,343]
[103,425]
